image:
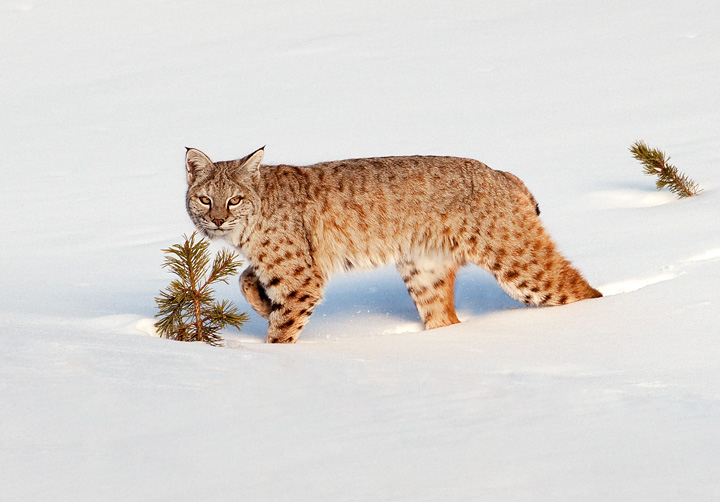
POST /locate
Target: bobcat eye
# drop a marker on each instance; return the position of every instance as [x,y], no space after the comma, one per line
[205,200]
[234,201]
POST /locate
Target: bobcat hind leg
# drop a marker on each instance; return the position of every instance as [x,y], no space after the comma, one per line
[431,284]
[532,270]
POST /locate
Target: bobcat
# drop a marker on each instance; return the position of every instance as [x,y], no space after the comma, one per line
[429,216]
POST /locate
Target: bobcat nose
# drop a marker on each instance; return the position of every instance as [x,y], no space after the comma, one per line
[218,222]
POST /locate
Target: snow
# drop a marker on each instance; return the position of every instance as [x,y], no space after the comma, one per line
[609,399]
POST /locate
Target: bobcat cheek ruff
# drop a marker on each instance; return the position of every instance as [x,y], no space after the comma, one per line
[299,225]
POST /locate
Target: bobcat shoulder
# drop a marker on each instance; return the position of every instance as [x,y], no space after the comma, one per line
[299,225]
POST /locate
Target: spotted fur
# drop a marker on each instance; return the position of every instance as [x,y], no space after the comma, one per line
[297,226]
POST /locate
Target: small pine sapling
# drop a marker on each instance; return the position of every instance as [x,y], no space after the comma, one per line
[187,309]
[656,164]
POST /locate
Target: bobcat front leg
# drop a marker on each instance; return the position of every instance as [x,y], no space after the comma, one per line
[293,301]
[255,293]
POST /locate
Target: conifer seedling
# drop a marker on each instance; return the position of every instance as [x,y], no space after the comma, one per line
[187,309]
[655,163]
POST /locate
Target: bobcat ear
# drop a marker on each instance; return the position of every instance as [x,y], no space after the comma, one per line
[197,165]
[252,162]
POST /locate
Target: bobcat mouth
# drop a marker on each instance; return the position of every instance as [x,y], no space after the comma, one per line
[212,231]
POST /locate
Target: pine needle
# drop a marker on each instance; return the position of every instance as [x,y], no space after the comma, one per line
[655,163]
[187,309]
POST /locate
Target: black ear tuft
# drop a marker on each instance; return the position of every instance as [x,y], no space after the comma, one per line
[252,162]
[537,209]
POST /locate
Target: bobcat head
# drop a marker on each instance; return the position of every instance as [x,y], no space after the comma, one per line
[221,199]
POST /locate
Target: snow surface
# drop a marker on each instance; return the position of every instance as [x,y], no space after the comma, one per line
[611,399]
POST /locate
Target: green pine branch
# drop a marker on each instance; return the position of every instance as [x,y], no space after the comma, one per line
[187,310]
[655,163]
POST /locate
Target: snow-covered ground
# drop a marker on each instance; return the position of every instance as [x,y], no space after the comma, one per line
[611,399]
